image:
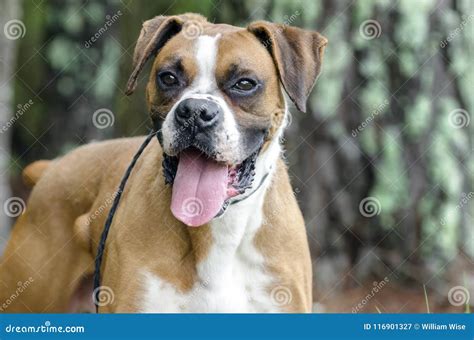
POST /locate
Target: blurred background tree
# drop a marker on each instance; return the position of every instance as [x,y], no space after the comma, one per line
[381,163]
[10,9]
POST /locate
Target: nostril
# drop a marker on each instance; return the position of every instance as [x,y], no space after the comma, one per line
[183,111]
[208,114]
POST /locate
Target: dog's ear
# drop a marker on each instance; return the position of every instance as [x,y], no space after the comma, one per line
[153,36]
[297,54]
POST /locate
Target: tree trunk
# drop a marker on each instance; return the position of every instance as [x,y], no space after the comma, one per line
[379,165]
[12,30]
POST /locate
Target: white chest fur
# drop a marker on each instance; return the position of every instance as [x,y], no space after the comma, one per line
[232,278]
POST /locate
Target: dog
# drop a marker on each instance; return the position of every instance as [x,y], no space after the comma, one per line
[208,221]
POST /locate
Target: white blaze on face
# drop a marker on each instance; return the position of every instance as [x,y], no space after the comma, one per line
[204,86]
[206,54]
[227,140]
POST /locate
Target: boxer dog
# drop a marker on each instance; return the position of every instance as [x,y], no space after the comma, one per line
[208,221]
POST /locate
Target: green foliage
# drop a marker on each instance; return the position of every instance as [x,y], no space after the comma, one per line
[391,186]
[419,116]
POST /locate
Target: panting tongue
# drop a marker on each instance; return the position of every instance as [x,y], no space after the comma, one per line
[199,188]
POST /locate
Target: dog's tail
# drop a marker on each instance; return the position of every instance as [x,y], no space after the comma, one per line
[33,172]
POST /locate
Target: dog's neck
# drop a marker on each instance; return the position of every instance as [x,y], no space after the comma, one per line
[232,234]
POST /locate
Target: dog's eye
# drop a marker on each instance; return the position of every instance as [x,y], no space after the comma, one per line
[168,79]
[245,84]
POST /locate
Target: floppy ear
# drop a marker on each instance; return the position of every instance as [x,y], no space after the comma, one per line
[297,54]
[153,36]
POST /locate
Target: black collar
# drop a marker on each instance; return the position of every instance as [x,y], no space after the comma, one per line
[252,192]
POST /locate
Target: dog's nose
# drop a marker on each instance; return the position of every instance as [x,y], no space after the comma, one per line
[198,112]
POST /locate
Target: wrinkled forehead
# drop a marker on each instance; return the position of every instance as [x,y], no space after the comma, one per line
[223,47]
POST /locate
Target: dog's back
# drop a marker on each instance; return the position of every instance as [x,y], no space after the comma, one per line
[49,256]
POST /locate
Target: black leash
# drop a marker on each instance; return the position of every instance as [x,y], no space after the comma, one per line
[110,217]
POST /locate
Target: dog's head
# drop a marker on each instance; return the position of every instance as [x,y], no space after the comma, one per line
[215,93]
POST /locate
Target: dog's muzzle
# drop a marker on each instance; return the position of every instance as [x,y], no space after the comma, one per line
[203,184]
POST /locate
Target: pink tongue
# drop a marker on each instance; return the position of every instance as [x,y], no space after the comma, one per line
[199,188]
